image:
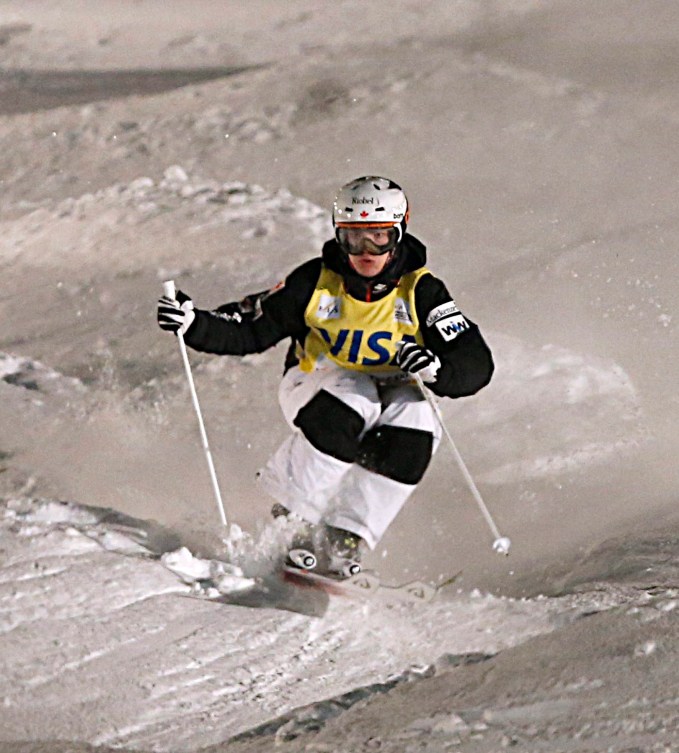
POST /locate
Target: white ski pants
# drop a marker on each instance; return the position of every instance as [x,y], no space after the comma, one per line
[324,489]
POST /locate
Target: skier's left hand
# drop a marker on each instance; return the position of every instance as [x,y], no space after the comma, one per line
[415,359]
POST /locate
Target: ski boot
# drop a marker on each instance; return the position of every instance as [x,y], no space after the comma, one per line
[343,551]
[302,550]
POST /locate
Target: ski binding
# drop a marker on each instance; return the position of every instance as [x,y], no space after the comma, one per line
[303,559]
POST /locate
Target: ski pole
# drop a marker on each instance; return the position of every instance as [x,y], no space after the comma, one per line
[502,544]
[169,291]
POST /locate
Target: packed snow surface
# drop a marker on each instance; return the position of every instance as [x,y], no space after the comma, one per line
[116,651]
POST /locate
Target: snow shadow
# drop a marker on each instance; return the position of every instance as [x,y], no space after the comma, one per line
[33,90]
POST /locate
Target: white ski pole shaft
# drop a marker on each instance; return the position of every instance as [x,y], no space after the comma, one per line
[169,291]
[501,543]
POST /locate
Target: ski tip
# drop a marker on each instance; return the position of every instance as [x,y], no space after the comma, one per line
[418,590]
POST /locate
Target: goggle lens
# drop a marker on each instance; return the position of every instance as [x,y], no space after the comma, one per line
[375,241]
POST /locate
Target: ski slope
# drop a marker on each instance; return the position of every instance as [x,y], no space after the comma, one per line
[115,651]
[537,143]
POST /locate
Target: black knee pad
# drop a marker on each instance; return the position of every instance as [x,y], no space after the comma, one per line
[331,426]
[397,452]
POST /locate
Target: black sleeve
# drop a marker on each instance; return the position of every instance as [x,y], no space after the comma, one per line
[260,320]
[466,360]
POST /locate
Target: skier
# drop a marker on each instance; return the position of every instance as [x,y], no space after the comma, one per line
[363,318]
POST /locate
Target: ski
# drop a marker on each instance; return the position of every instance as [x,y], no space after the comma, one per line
[365,585]
[286,586]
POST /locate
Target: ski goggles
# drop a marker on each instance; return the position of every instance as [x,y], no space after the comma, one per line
[375,241]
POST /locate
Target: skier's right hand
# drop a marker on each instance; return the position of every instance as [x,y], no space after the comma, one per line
[175,314]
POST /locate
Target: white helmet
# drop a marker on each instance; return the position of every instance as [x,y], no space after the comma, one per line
[371,202]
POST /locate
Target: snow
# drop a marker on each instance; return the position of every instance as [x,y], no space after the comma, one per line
[537,143]
[72,612]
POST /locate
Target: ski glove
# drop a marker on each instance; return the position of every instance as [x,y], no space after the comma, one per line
[175,315]
[415,359]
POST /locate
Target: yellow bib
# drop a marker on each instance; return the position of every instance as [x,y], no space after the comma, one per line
[355,334]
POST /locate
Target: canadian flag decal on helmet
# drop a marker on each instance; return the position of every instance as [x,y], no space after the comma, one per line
[364,214]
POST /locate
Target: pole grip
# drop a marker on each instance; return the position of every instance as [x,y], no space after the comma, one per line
[169,289]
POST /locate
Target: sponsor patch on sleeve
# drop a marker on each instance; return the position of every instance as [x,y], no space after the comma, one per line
[440,312]
[451,326]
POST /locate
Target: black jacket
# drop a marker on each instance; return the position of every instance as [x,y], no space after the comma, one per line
[263,319]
